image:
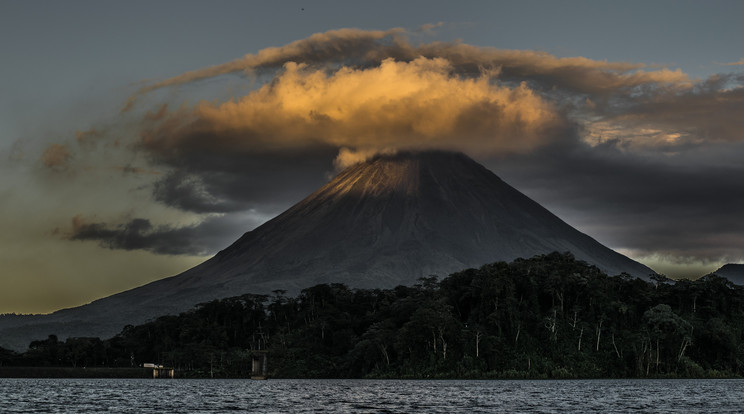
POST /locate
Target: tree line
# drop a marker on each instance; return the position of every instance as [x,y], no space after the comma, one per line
[550,316]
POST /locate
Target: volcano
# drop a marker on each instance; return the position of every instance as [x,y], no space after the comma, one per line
[385,222]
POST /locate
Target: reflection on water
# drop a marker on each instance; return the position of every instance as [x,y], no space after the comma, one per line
[369,396]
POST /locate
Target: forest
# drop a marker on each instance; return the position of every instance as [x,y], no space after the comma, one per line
[550,316]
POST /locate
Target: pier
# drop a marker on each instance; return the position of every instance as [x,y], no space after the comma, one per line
[159,371]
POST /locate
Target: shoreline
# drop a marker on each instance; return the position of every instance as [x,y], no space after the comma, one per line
[146,373]
[74,372]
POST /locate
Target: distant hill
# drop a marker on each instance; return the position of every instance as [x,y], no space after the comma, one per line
[379,224]
[732,272]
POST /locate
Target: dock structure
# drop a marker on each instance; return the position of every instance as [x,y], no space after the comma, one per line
[259,355]
[259,365]
[159,371]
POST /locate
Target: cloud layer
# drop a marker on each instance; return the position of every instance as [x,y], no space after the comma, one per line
[362,48]
[199,239]
[401,104]
[632,154]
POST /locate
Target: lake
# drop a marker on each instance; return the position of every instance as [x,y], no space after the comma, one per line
[369,396]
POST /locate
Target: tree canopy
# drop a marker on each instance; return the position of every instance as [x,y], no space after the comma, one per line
[550,316]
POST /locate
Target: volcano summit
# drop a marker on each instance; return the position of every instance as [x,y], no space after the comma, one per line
[378,224]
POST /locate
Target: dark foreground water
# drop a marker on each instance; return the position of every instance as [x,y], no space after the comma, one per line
[369,396]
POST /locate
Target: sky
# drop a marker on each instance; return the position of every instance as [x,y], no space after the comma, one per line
[139,138]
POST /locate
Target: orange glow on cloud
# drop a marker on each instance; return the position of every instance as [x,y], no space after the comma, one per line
[56,156]
[417,104]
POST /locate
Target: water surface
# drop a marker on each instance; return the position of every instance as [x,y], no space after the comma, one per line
[369,396]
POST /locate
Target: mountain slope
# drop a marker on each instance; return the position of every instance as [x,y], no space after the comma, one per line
[732,272]
[382,223]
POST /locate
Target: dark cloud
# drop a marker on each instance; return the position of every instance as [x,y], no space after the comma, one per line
[711,113]
[188,192]
[651,206]
[204,238]
[205,180]
[645,159]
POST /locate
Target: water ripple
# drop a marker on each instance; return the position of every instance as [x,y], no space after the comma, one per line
[369,396]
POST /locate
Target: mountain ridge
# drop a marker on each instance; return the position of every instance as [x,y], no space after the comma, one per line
[384,222]
[733,272]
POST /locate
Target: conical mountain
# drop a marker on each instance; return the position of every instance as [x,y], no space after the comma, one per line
[382,223]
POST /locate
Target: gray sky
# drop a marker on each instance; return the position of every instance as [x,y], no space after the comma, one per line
[138,138]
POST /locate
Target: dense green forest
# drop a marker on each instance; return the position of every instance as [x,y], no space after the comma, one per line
[550,316]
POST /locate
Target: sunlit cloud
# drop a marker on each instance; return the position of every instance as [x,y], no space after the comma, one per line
[415,104]
[581,134]
[56,156]
[363,48]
